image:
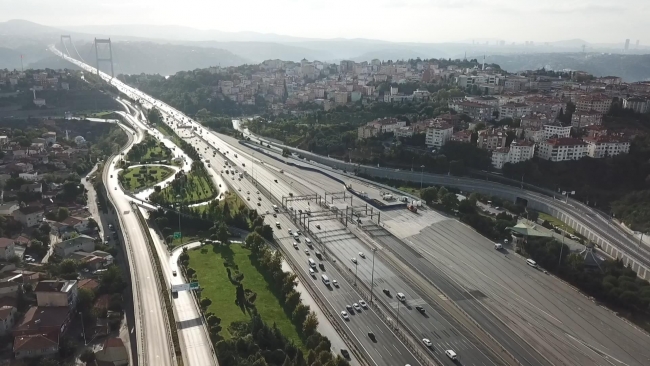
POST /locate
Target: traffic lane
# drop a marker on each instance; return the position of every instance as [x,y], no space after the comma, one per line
[555,307]
[431,325]
[466,301]
[157,345]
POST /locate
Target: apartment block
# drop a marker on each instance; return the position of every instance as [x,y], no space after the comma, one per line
[562,149]
[604,146]
[438,133]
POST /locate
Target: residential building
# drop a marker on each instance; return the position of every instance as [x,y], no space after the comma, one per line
[44,320]
[29,216]
[477,111]
[7,248]
[8,208]
[7,319]
[462,136]
[638,104]
[438,133]
[562,149]
[556,130]
[404,132]
[341,98]
[113,353]
[586,119]
[365,132]
[82,243]
[605,146]
[78,223]
[491,139]
[596,102]
[513,110]
[55,293]
[534,120]
[50,137]
[36,345]
[387,125]
[517,152]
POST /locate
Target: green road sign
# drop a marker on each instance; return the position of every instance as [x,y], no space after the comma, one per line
[194,285]
[177,235]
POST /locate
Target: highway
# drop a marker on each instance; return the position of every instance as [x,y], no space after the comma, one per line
[558,321]
[509,298]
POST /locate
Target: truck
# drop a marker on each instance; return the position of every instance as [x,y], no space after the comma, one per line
[411,207]
[387,197]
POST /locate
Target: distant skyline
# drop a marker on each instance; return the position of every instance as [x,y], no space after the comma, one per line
[595,21]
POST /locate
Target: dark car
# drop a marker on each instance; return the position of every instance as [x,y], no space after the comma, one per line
[321,266]
[345,353]
[387,291]
[420,309]
[371,335]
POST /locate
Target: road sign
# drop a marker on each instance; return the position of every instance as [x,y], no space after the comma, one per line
[185,287]
[177,234]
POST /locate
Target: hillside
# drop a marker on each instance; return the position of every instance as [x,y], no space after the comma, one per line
[629,67]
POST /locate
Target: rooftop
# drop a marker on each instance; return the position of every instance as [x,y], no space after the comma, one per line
[43,316]
[35,342]
[54,286]
[6,242]
[565,141]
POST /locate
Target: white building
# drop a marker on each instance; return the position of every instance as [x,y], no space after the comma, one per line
[404,132]
[599,103]
[604,146]
[438,133]
[586,119]
[513,110]
[517,152]
[562,149]
[638,104]
[29,216]
[82,243]
[556,131]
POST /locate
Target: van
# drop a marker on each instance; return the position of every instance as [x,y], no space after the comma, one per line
[275,208]
[401,297]
[312,272]
[325,279]
[451,354]
[531,263]
[308,241]
[319,255]
[312,263]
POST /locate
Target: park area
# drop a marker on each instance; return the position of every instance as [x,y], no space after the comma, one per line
[193,187]
[148,151]
[140,177]
[211,265]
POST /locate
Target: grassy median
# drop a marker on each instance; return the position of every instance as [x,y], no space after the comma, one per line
[209,263]
[143,176]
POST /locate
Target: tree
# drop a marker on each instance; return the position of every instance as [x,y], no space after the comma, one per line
[223,234]
[205,302]
[87,356]
[62,214]
[300,314]
[310,324]
[85,299]
[429,194]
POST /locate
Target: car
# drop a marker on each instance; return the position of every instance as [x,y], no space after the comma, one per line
[295,245]
[344,315]
[298,232]
[312,272]
[420,309]
[307,251]
[427,342]
[259,198]
[111,175]
[275,215]
[318,226]
[289,231]
[174,273]
[356,306]
[299,210]
[275,180]
[387,291]
[451,354]
[277,224]
[116,188]
[371,335]
[248,192]
[248,198]
[354,260]
[363,304]
[239,189]
[362,255]
[267,212]
[498,246]
[349,307]
[345,353]
[259,204]
[400,296]
[258,192]
[335,283]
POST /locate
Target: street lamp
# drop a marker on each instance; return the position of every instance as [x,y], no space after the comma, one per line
[178,205]
[397,317]
[421,176]
[356,270]
[372,274]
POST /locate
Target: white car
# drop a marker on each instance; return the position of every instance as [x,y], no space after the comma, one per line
[427,342]
[335,283]
[354,260]
[344,315]
[362,255]
[295,245]
[307,251]
[451,354]
[363,304]
[356,307]
[400,296]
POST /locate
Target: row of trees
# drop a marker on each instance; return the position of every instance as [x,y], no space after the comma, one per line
[147,147]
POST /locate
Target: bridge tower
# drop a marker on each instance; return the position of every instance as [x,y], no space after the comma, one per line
[110,53]
[64,48]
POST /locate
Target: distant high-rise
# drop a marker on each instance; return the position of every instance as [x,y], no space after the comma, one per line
[627,44]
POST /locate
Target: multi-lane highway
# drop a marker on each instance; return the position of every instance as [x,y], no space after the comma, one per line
[535,317]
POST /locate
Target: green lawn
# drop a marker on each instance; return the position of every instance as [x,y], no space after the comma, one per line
[197,189]
[213,278]
[556,222]
[148,176]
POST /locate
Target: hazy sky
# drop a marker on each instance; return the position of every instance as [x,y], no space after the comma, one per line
[395,20]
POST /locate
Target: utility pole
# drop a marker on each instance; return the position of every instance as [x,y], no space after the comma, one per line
[372,275]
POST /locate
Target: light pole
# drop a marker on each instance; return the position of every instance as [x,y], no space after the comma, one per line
[372,274]
[421,176]
[356,270]
[397,318]
[178,198]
